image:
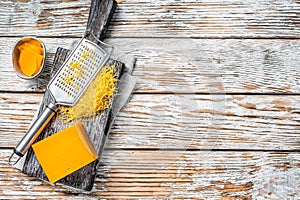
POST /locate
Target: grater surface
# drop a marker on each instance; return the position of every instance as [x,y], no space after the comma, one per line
[81,66]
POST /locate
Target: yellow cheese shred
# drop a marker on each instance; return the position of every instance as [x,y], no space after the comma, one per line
[96,98]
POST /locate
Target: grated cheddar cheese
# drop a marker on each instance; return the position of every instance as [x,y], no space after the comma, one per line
[96,97]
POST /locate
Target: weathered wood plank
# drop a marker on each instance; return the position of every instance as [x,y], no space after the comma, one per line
[181,121]
[214,66]
[159,18]
[177,65]
[172,175]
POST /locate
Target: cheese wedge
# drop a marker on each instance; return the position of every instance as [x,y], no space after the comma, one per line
[64,152]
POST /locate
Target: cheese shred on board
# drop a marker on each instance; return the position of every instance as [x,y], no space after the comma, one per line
[96,98]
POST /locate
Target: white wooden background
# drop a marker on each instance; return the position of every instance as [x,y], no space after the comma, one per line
[215,114]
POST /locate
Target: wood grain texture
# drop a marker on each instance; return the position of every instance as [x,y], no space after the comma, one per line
[245,148]
[187,175]
[214,66]
[189,66]
[181,121]
[156,18]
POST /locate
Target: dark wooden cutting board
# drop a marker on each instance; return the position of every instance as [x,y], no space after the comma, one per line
[101,12]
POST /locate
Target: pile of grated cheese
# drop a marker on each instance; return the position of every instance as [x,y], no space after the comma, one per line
[96,98]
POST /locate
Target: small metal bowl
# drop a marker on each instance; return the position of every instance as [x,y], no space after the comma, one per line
[16,55]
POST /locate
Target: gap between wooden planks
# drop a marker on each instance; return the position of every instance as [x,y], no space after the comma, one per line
[176,121]
[181,174]
[251,66]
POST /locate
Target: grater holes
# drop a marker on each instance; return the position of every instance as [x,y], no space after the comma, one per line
[81,82]
[70,90]
[73,79]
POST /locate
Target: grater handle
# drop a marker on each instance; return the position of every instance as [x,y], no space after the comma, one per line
[101,13]
[35,129]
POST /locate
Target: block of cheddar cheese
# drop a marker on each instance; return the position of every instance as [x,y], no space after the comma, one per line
[64,152]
